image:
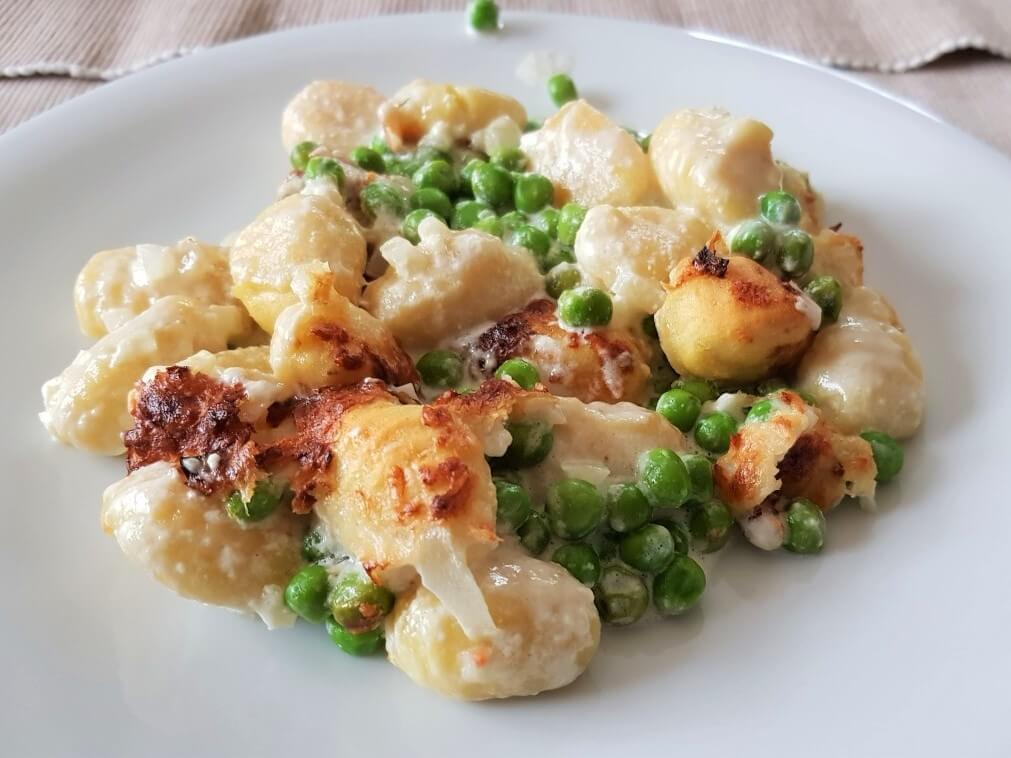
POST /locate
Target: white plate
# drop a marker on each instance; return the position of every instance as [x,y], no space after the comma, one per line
[893,642]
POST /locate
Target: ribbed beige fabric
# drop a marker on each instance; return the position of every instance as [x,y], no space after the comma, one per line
[51,50]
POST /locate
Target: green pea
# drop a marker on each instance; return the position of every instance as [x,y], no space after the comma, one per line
[398,165]
[267,495]
[379,197]
[322,167]
[678,587]
[437,174]
[574,508]
[314,545]
[827,292]
[585,306]
[306,593]
[522,372]
[754,239]
[888,454]
[680,534]
[532,192]
[700,475]
[561,89]
[779,207]
[434,200]
[663,478]
[531,443]
[547,221]
[531,126]
[561,278]
[627,508]
[534,534]
[649,548]
[411,222]
[378,144]
[467,173]
[468,212]
[511,159]
[570,218]
[364,643]
[357,604]
[703,389]
[580,560]
[622,597]
[649,327]
[713,432]
[533,239]
[368,159]
[300,154]
[441,368]
[759,412]
[710,525]
[557,253]
[796,252]
[680,407]
[805,527]
[606,546]
[490,225]
[493,185]
[513,504]
[483,15]
[514,220]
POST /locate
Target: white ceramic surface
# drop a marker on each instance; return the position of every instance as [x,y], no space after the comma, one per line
[892,643]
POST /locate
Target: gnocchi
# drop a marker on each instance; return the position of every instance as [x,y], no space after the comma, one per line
[337,115]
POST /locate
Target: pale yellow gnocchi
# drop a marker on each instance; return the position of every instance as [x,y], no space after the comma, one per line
[299,229]
[86,405]
[116,285]
[187,542]
[547,630]
[337,115]
[444,112]
[448,283]
[590,159]
[863,370]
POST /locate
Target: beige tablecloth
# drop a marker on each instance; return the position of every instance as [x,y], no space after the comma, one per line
[950,57]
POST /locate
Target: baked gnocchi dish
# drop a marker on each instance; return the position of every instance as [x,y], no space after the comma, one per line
[470,386]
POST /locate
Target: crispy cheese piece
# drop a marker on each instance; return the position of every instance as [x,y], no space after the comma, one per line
[825,466]
[412,495]
[749,471]
[863,370]
[335,114]
[448,283]
[299,229]
[116,285]
[590,159]
[607,364]
[325,340]
[86,405]
[446,111]
[631,251]
[548,630]
[731,319]
[187,541]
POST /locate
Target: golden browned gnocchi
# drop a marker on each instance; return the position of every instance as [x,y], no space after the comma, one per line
[547,630]
[731,319]
[86,405]
[299,229]
[840,256]
[448,112]
[590,159]
[116,285]
[863,370]
[188,543]
[448,283]
[325,340]
[337,115]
